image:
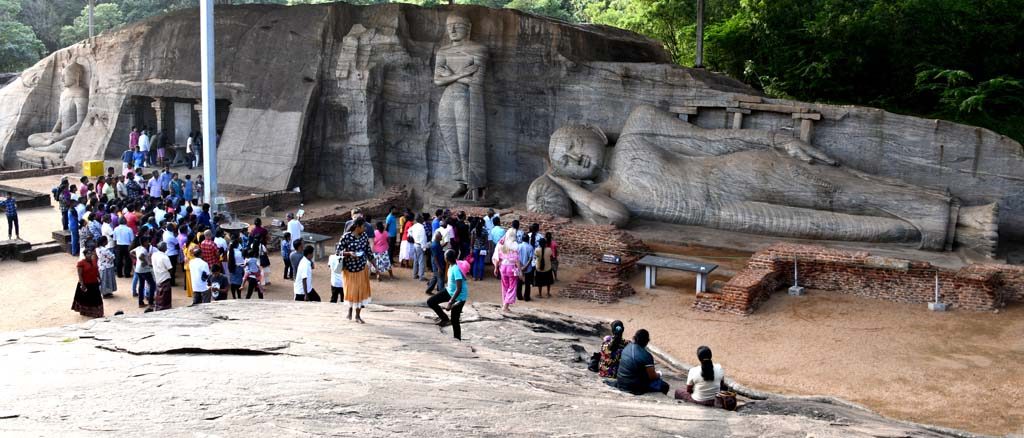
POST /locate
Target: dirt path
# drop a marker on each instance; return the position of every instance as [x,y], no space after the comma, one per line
[956,369]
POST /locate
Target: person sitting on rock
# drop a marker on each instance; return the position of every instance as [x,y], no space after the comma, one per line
[704,381]
[636,373]
[611,351]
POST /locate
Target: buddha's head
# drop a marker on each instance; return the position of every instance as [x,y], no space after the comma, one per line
[577,151]
[72,75]
[458,27]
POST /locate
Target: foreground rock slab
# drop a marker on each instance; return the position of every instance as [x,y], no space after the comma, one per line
[245,368]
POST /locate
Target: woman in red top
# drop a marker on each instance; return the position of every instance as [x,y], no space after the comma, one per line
[88,299]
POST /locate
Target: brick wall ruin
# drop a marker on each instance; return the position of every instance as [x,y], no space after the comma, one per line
[974,287]
[376,208]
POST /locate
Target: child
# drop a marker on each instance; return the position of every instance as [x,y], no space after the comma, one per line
[252,274]
[337,282]
[11,205]
[219,284]
[286,253]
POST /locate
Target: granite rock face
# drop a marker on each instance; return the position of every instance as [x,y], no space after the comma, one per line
[340,99]
[247,368]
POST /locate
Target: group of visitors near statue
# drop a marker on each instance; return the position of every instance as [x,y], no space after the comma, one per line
[150,227]
[629,366]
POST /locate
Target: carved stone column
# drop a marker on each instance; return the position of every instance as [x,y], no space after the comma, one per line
[806,124]
[199,110]
[159,105]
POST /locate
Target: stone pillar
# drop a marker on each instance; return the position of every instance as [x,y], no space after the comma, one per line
[806,125]
[737,116]
[199,110]
[159,105]
[683,112]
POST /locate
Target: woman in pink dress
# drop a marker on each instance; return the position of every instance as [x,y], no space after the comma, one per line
[507,267]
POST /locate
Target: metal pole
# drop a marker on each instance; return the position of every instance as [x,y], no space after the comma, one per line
[209,116]
[92,4]
[700,35]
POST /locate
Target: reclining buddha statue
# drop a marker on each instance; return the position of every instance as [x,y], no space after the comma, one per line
[746,180]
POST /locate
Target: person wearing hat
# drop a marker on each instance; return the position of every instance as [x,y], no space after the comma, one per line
[294,228]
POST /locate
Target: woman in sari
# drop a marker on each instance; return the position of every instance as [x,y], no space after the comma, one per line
[88,299]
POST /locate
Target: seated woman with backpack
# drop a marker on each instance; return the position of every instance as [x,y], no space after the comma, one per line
[704,383]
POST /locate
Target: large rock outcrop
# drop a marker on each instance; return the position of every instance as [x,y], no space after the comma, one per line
[340,99]
[247,368]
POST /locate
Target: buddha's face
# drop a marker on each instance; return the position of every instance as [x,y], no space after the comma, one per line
[71,77]
[577,152]
[458,31]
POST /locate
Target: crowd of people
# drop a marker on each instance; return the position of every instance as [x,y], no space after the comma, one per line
[630,367]
[149,227]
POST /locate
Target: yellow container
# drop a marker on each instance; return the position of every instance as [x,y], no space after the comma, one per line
[92,168]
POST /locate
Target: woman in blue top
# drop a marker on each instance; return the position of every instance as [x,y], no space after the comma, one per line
[458,289]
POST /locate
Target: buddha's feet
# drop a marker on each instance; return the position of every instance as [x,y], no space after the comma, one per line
[977,228]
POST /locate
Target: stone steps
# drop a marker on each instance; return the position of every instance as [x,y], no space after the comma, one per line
[32,254]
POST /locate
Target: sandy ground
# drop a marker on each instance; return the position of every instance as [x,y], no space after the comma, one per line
[957,369]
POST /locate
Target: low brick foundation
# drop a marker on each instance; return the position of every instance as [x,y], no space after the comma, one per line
[376,208]
[584,245]
[252,204]
[976,287]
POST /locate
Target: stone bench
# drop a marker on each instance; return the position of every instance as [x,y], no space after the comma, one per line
[651,264]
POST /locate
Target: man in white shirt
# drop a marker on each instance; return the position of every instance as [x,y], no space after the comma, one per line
[153,187]
[200,273]
[489,219]
[123,236]
[337,281]
[294,228]
[170,238]
[144,148]
[146,285]
[162,272]
[419,237]
[304,277]
[446,231]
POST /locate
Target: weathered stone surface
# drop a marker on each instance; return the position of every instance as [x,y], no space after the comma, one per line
[340,99]
[295,369]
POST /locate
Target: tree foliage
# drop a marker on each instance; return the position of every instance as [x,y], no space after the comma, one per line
[105,16]
[19,46]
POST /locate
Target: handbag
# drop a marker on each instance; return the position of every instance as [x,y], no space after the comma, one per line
[726,400]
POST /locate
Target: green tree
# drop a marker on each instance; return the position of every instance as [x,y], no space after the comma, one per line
[19,46]
[558,9]
[105,16]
